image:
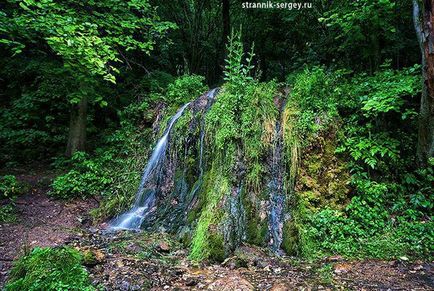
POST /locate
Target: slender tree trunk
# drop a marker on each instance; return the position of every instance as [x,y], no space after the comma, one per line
[425,35]
[226,20]
[77,128]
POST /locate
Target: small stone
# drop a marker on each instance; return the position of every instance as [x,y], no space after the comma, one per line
[125,285]
[163,247]
[191,282]
[280,286]
[342,268]
[334,259]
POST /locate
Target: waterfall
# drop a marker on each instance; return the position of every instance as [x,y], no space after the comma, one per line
[145,197]
[210,96]
[276,187]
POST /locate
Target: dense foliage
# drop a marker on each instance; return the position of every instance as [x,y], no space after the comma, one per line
[340,83]
[386,215]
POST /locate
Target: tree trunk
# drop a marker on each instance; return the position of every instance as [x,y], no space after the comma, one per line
[425,35]
[77,128]
[226,20]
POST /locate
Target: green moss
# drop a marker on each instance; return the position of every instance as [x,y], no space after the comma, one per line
[290,238]
[49,269]
[256,226]
[208,242]
[323,176]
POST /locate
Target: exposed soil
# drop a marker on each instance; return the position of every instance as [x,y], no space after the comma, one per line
[137,261]
[42,221]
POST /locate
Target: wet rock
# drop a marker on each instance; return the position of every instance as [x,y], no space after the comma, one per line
[235,262]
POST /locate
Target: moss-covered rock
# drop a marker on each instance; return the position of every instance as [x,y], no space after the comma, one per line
[208,240]
[323,177]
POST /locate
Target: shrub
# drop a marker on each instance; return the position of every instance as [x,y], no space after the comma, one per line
[87,177]
[49,269]
[184,89]
[8,213]
[9,186]
[314,98]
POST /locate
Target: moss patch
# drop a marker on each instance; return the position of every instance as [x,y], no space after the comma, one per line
[323,176]
[208,242]
[49,269]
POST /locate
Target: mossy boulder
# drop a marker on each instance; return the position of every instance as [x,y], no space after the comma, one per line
[323,176]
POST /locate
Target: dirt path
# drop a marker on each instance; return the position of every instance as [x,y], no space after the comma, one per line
[41,222]
[137,261]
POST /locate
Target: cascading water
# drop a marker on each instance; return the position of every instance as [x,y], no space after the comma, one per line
[276,189]
[210,95]
[144,204]
[169,197]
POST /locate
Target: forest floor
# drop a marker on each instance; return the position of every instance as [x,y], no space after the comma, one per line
[136,261]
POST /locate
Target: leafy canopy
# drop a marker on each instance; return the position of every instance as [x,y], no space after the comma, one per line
[89,36]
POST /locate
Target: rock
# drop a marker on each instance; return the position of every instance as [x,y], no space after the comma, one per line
[191,282]
[92,257]
[277,270]
[279,286]
[334,259]
[127,286]
[133,248]
[232,283]
[235,262]
[163,247]
[342,268]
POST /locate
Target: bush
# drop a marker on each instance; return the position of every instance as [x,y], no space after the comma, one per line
[49,269]
[86,178]
[9,186]
[389,213]
[8,213]
[182,90]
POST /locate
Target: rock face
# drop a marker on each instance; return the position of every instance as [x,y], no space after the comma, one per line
[227,175]
[215,198]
